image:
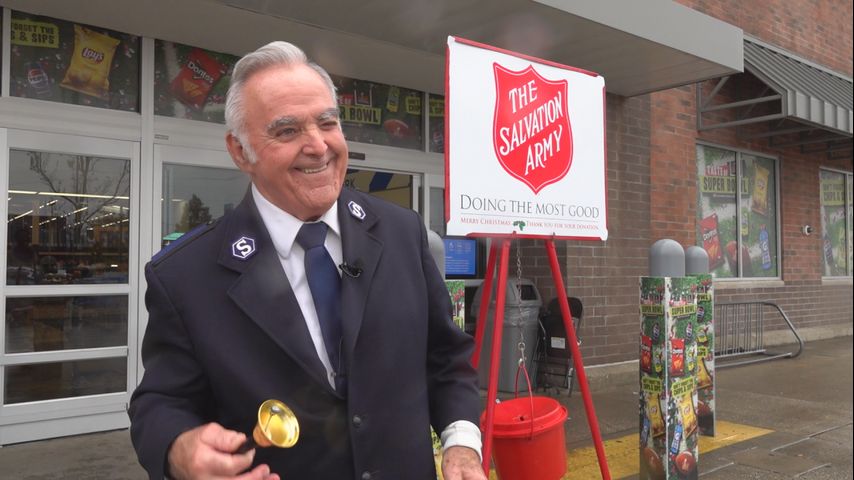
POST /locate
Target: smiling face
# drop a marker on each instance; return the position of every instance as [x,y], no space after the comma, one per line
[293,134]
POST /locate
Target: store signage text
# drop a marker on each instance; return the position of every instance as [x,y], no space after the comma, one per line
[35,34]
[833,192]
[360,114]
[715,184]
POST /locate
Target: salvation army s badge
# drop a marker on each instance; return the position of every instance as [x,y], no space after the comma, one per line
[531,132]
[356,210]
[243,248]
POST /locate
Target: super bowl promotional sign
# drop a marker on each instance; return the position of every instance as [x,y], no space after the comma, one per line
[525,150]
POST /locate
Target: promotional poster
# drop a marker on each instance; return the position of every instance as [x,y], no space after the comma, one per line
[668,378]
[525,146]
[737,226]
[705,354]
[61,61]
[191,82]
[834,243]
[380,114]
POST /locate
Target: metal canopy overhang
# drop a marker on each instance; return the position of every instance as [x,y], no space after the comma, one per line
[637,47]
[806,105]
[809,93]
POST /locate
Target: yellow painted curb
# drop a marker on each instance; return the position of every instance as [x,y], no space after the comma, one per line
[624,458]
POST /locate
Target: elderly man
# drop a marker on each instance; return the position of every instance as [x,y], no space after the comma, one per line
[252,307]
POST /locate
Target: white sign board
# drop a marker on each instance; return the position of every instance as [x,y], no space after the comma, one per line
[525,146]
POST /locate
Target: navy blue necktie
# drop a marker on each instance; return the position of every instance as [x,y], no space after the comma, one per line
[325,287]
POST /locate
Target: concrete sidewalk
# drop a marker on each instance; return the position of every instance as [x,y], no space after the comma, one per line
[805,403]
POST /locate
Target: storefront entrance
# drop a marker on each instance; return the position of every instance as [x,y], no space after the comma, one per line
[68,342]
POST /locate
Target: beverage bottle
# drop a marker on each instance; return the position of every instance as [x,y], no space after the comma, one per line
[38,80]
[764,247]
[828,255]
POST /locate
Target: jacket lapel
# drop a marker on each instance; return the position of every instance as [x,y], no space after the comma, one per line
[362,250]
[262,290]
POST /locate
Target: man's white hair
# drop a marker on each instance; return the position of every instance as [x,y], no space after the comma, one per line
[272,54]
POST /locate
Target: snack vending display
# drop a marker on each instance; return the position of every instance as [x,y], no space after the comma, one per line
[705,354]
[669,420]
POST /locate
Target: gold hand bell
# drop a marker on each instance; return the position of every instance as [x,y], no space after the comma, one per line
[277,427]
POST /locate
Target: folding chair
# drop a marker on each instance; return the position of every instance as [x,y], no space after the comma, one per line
[554,356]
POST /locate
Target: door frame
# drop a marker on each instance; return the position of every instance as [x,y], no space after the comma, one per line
[69,416]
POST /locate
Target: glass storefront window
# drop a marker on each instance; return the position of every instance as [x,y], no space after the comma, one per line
[437,210]
[379,113]
[836,231]
[393,187]
[47,381]
[194,195]
[739,232]
[68,219]
[62,61]
[758,217]
[436,110]
[36,324]
[191,82]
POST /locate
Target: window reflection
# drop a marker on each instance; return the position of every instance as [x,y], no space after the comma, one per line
[31,383]
[67,219]
[393,187]
[37,324]
[195,195]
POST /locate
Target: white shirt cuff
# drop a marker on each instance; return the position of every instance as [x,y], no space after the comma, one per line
[464,434]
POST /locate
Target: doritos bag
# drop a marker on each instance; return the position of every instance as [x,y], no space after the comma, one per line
[196,79]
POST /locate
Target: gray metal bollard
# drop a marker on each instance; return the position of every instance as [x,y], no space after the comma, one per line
[666,259]
[437,249]
[696,260]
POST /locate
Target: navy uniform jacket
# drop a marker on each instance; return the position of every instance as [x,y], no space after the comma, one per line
[226,333]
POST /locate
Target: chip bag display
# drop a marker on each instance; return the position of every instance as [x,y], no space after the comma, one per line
[677,357]
[196,79]
[656,417]
[760,190]
[89,71]
[646,354]
[711,240]
[686,409]
[704,380]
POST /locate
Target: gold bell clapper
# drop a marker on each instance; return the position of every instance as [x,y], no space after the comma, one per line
[277,427]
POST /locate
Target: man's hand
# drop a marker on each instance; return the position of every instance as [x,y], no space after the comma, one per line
[461,463]
[208,452]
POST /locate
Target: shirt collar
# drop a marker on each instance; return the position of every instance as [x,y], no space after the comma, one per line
[283,227]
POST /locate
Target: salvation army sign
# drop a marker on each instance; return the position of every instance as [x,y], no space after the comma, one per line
[525,151]
[531,132]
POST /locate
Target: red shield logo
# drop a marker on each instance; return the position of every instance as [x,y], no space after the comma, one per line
[531,132]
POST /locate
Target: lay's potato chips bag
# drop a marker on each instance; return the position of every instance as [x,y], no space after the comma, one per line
[686,409]
[704,380]
[760,190]
[89,70]
[656,417]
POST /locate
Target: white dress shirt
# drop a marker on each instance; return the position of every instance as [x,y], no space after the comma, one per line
[283,228]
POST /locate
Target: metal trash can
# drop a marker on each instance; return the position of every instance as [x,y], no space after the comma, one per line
[521,314]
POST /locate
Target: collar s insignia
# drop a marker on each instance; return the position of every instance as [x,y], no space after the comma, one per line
[243,248]
[356,210]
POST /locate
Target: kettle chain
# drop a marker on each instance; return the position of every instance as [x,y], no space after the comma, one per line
[521,344]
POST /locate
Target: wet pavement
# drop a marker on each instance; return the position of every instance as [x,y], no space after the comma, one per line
[804,403]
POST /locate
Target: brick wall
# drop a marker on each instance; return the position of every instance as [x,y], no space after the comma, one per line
[605,275]
[819,30]
[673,193]
[652,190]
